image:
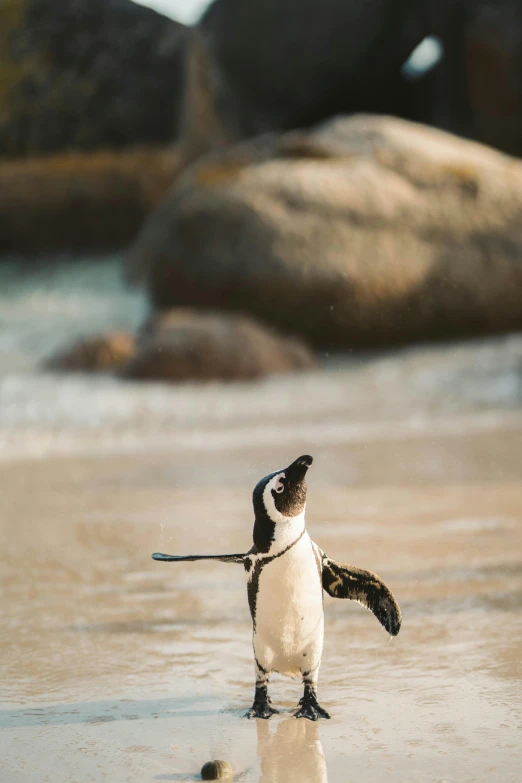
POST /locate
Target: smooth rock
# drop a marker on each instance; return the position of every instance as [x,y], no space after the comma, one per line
[368,230]
[185,345]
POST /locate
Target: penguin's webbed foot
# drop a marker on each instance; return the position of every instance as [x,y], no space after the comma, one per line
[311,711]
[310,707]
[262,706]
[262,710]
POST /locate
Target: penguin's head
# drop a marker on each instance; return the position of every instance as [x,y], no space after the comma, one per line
[282,495]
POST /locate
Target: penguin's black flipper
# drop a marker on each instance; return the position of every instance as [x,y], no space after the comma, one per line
[178,558]
[346,581]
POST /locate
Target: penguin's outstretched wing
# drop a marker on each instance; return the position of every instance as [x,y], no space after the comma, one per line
[178,558]
[346,581]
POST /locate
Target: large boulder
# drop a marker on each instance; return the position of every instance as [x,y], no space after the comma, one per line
[86,74]
[367,230]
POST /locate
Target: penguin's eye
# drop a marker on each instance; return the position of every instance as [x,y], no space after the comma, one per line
[280,487]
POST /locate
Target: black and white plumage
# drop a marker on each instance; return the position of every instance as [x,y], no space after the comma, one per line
[287,573]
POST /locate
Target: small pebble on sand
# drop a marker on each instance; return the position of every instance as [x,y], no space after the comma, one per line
[216,770]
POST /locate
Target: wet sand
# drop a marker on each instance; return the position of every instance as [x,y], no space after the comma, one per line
[114,667]
[117,668]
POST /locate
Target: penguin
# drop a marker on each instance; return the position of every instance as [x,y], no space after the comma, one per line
[286,576]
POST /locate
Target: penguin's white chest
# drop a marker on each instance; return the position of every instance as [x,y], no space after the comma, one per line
[289,620]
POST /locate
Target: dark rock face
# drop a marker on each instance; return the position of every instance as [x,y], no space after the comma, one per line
[185,345]
[87,74]
[493,73]
[476,90]
[275,65]
[282,64]
[368,230]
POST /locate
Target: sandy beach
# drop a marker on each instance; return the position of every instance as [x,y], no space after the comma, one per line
[114,667]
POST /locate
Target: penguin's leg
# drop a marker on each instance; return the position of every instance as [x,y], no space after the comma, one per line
[310,707]
[262,706]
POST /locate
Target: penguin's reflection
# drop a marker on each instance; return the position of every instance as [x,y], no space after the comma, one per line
[292,753]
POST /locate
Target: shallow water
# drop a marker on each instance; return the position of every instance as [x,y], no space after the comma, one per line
[114,667]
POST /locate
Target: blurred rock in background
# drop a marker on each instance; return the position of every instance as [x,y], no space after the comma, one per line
[87,75]
[368,230]
[281,65]
[100,75]
[363,230]
[78,202]
[273,65]
[185,345]
[89,89]
[476,89]
[98,353]
[493,59]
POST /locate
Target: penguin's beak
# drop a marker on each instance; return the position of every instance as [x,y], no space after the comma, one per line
[297,470]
